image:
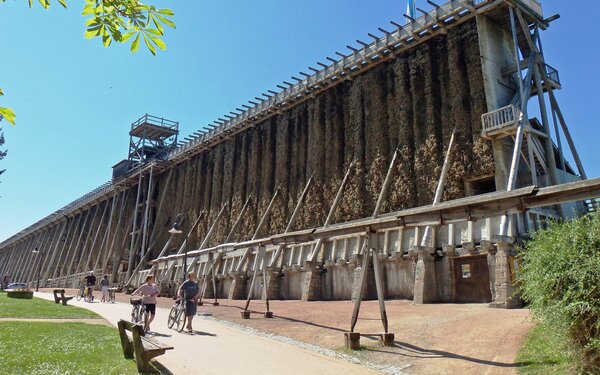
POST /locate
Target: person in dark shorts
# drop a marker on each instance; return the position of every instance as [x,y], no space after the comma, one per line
[148,291]
[90,281]
[189,292]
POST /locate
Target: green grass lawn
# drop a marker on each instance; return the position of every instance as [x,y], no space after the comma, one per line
[61,348]
[40,308]
[545,352]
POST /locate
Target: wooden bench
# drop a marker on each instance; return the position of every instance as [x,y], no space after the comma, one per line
[59,296]
[139,346]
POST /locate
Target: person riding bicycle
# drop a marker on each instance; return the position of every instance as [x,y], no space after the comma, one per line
[90,281]
[148,291]
[104,283]
[189,292]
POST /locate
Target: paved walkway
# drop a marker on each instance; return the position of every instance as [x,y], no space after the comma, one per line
[218,349]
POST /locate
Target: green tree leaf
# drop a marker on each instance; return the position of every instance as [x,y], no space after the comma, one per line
[8,114]
[135,44]
[149,45]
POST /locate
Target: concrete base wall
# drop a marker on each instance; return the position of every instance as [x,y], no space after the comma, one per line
[425,275]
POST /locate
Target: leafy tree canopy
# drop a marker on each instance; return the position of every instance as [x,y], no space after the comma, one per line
[119,21]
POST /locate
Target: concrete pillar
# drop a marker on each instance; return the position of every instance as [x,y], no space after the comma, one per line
[425,284]
[469,248]
[489,248]
[209,292]
[445,284]
[505,290]
[237,290]
[273,280]
[311,282]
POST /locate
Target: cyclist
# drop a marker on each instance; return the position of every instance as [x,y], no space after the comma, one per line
[104,283]
[90,281]
[189,292]
[148,291]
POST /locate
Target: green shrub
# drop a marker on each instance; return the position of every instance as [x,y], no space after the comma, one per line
[560,278]
[20,293]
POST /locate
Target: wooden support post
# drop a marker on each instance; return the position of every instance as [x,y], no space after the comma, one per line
[64,248]
[259,256]
[512,178]
[167,275]
[263,219]
[146,212]
[106,236]
[532,167]
[159,211]
[548,145]
[86,265]
[386,184]
[374,246]
[567,133]
[217,261]
[82,252]
[118,228]
[291,221]
[30,274]
[69,263]
[237,222]
[134,226]
[439,191]
[338,197]
[362,284]
[204,243]
[53,253]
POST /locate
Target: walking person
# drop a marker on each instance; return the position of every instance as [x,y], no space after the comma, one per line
[149,291]
[189,292]
[104,283]
[90,281]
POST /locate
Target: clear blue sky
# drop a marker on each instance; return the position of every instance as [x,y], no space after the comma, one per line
[75,100]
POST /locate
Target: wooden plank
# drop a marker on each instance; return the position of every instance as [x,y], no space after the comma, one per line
[373,245]
[362,282]
[242,262]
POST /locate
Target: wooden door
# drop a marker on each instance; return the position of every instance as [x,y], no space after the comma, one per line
[471,279]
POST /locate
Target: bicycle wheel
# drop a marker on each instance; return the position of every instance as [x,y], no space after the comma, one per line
[180,320]
[80,294]
[135,314]
[140,318]
[172,317]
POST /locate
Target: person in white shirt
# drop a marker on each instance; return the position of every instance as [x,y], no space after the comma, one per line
[148,291]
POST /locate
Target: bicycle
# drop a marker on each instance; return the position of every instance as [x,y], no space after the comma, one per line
[138,310]
[177,315]
[81,292]
[111,295]
[87,293]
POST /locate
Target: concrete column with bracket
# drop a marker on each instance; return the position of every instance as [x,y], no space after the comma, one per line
[237,290]
[273,281]
[425,283]
[505,297]
[311,282]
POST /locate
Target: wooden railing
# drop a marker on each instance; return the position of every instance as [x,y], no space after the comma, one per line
[504,117]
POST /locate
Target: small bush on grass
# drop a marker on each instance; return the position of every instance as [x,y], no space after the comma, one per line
[20,294]
[561,281]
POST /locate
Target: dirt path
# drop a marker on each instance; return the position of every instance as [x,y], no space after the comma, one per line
[430,339]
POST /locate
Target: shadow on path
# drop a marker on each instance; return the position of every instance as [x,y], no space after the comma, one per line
[418,352]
